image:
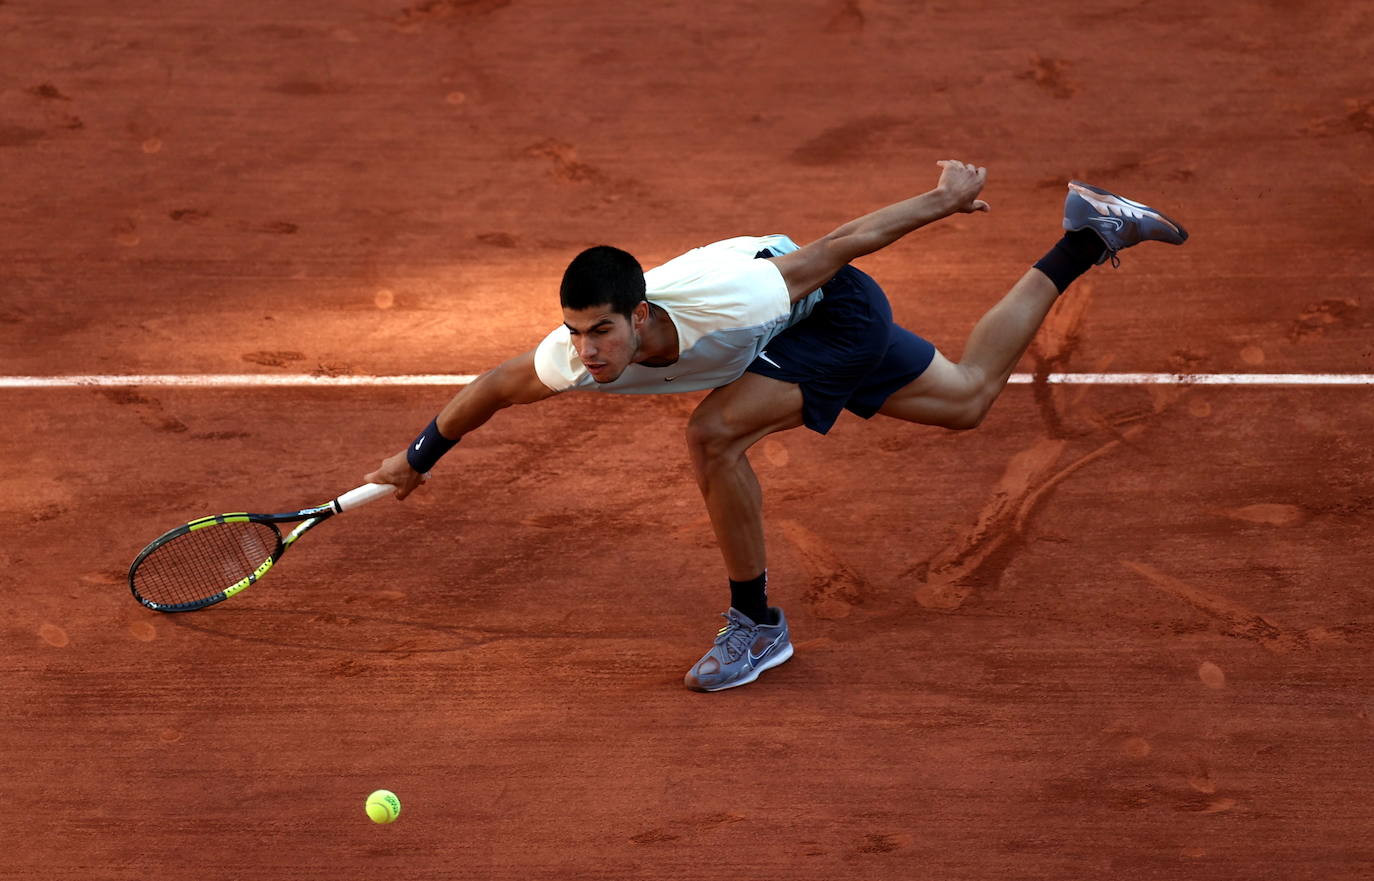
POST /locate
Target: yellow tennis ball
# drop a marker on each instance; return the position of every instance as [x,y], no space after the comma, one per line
[383,806]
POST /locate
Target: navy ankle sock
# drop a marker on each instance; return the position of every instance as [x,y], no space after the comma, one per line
[751,598]
[1071,256]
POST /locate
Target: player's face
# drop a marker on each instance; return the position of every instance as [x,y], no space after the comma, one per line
[606,341]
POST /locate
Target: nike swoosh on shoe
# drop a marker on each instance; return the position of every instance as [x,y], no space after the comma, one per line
[1121,206]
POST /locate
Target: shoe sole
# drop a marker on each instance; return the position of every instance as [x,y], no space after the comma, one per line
[1155,212]
[772,662]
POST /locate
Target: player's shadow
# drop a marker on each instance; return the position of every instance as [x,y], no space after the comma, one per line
[323,630]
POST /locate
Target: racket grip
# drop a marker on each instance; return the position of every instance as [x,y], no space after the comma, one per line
[368,492]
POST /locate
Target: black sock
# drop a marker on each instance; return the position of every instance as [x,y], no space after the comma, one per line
[1071,256]
[751,598]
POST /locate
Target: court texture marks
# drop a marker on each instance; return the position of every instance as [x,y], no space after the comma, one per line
[248,249]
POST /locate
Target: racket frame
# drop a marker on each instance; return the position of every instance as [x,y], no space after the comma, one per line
[310,517]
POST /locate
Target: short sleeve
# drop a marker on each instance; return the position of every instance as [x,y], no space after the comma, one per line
[768,295]
[556,361]
[718,288]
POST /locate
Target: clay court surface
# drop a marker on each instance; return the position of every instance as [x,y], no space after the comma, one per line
[1118,631]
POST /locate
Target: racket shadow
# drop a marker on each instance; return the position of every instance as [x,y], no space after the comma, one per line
[322,630]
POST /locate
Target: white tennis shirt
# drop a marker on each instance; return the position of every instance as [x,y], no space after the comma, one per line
[726,307]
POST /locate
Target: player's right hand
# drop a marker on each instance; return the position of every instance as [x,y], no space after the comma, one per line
[397,472]
[961,183]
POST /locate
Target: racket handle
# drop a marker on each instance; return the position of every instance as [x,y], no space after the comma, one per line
[368,492]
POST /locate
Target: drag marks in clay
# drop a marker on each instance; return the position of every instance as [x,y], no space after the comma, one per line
[982,550]
[280,358]
[845,142]
[1052,75]
[565,166]
[446,10]
[701,823]
[149,410]
[833,588]
[1317,318]
[1356,118]
[188,215]
[1234,619]
[946,577]
[51,103]
[567,169]
[883,843]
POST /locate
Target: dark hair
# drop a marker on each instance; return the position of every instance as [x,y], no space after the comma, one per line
[603,275]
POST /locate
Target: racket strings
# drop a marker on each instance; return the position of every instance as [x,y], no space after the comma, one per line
[201,564]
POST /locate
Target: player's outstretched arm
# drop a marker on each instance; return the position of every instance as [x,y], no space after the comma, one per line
[514,382]
[811,266]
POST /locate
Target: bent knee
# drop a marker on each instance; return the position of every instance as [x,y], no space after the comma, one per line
[971,412]
[710,437]
[965,420]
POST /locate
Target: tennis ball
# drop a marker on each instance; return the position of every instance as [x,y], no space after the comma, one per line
[383,806]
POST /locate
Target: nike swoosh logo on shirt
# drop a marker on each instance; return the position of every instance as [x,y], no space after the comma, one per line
[764,356]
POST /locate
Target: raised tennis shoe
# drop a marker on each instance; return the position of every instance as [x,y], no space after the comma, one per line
[741,652]
[1118,221]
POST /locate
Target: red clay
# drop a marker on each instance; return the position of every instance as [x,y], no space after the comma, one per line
[1113,632]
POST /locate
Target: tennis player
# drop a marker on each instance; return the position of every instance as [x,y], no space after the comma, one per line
[783,337]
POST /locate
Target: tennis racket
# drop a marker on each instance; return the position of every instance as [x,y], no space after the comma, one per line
[206,561]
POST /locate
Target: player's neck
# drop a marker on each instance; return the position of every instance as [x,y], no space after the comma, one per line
[658,342]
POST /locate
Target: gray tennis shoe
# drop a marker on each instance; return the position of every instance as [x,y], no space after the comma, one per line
[1118,221]
[742,651]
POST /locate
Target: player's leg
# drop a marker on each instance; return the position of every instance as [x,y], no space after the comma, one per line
[803,377]
[724,426]
[722,429]
[959,395]
[1099,224]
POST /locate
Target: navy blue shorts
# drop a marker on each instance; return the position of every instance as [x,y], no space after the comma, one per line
[847,354]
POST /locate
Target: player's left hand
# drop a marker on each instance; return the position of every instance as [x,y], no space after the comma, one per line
[961,183]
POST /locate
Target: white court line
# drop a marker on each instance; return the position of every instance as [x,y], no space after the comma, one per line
[230,380]
[1199,378]
[243,380]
